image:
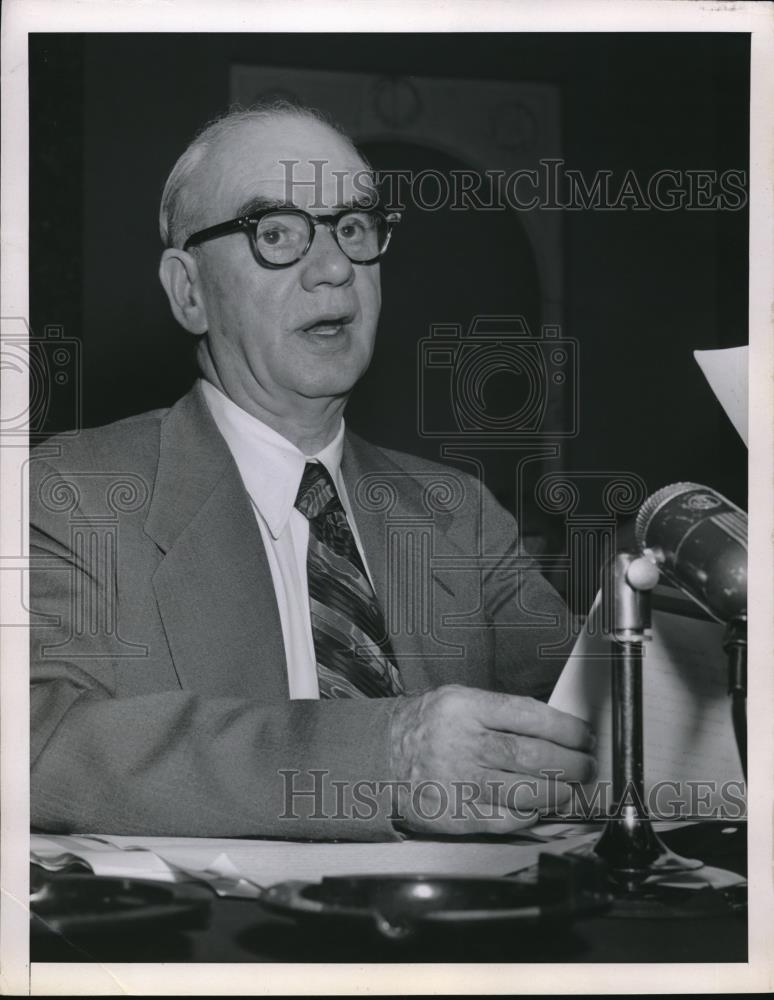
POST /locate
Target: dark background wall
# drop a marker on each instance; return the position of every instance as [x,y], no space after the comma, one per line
[111,113]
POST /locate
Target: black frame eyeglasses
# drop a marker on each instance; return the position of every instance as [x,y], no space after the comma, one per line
[369,233]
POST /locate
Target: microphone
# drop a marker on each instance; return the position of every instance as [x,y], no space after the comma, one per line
[699,541]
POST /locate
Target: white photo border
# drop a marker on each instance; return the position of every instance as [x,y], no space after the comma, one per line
[21,17]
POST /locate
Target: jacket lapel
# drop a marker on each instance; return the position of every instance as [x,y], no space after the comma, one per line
[424,579]
[389,508]
[214,568]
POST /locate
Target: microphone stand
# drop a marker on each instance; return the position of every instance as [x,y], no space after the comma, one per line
[735,645]
[628,844]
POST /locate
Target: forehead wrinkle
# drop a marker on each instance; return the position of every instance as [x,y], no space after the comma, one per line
[260,203]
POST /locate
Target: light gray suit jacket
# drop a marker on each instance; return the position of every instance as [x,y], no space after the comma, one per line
[159,684]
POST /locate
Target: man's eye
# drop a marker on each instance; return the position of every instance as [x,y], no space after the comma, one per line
[272,237]
[352,229]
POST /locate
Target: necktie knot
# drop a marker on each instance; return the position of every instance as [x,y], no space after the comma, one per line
[316,493]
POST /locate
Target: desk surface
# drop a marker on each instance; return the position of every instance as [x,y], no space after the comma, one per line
[242,931]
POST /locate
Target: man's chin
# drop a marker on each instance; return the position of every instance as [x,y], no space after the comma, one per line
[327,388]
[331,364]
[320,379]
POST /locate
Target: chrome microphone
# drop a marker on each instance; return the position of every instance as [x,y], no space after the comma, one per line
[699,541]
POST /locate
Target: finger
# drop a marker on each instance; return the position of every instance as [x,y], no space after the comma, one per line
[523,794]
[529,755]
[511,713]
[498,802]
[497,820]
[521,807]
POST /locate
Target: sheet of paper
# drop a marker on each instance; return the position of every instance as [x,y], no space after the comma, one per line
[56,852]
[692,767]
[726,372]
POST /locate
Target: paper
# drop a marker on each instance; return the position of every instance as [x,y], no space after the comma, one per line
[57,852]
[726,372]
[244,867]
[692,767]
[141,860]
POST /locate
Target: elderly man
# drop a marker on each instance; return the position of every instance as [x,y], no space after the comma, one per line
[217,649]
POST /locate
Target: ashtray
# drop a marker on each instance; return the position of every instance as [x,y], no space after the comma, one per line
[397,906]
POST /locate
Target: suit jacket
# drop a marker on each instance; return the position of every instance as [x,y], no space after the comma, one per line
[159,685]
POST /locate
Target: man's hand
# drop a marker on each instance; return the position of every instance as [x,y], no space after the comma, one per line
[473,761]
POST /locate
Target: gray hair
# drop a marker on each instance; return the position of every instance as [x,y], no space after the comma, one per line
[177,213]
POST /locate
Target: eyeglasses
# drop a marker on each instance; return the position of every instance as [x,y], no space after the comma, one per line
[281,237]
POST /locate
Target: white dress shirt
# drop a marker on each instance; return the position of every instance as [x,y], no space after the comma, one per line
[271,469]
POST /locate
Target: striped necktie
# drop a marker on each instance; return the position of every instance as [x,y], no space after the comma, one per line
[353,654]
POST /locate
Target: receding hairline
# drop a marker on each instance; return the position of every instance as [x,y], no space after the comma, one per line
[177,213]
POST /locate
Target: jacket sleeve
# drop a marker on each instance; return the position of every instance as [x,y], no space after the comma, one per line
[169,762]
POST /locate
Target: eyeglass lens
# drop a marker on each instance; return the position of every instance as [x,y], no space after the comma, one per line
[282,237]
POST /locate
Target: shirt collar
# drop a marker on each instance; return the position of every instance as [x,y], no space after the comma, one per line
[270,466]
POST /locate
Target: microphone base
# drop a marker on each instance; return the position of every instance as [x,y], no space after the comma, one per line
[643,873]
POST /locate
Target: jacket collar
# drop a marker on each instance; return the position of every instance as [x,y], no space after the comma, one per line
[269,465]
[193,459]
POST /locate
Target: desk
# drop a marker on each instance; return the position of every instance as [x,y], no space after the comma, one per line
[241,931]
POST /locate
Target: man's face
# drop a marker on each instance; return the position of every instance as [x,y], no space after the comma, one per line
[305,331]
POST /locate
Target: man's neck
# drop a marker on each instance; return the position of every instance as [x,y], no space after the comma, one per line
[310,427]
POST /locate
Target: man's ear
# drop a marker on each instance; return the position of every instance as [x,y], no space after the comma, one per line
[179,274]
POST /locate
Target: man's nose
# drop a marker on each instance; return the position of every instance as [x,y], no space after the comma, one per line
[326,263]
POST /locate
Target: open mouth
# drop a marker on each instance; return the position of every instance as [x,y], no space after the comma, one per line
[327,329]
[327,326]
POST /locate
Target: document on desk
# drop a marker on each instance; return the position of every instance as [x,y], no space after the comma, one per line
[244,867]
[692,766]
